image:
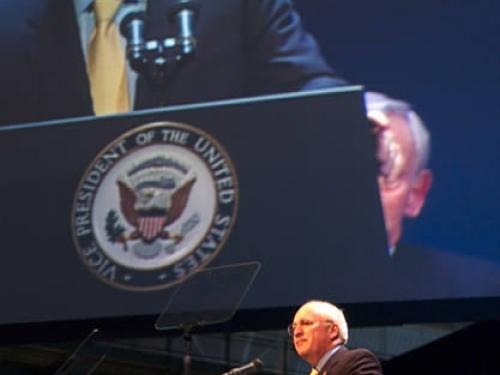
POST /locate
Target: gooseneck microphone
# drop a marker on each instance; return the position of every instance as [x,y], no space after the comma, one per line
[248,368]
[132,28]
[184,14]
[156,59]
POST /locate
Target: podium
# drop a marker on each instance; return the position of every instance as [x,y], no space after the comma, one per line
[101,217]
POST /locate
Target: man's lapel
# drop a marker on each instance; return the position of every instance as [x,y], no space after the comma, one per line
[333,361]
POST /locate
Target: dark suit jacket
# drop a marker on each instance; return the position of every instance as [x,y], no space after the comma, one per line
[419,273]
[352,362]
[245,48]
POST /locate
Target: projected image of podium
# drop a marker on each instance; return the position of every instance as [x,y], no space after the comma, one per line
[210,296]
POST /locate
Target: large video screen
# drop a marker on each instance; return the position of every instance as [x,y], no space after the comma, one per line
[403,209]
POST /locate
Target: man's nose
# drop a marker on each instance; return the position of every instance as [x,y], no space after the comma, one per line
[298,331]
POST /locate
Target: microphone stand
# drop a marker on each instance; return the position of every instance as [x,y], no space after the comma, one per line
[188,344]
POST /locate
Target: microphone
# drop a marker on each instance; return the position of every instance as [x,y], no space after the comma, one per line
[158,59]
[184,13]
[248,368]
[132,28]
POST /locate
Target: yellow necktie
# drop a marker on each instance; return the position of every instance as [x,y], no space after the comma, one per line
[106,64]
[314,371]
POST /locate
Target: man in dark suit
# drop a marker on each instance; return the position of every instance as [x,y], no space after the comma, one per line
[319,331]
[244,48]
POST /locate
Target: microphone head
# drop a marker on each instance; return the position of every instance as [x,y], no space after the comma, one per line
[177,6]
[257,364]
[137,16]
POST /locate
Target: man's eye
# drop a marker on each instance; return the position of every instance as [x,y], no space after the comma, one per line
[307,322]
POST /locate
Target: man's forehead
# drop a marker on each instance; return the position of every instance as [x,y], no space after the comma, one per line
[386,120]
[400,127]
[379,117]
[397,125]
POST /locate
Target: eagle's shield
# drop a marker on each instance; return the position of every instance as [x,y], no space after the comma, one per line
[150,226]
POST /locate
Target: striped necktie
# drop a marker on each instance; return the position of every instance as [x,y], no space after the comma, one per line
[106,65]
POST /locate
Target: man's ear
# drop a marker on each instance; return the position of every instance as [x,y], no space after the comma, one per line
[418,193]
[334,332]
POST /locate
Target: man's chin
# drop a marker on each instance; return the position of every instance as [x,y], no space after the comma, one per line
[393,235]
[301,349]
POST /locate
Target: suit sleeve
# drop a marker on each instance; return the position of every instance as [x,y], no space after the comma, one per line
[282,56]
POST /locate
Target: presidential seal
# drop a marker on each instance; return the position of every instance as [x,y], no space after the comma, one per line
[156,205]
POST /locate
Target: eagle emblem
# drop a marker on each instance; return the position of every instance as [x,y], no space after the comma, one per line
[154,206]
[153,195]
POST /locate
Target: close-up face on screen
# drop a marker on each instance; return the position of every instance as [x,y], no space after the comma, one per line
[403,147]
[348,150]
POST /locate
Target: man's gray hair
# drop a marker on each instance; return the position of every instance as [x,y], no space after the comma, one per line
[421,138]
[331,312]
